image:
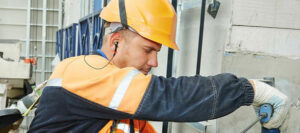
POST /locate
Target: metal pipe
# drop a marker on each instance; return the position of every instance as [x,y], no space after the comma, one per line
[76,44]
[28,30]
[169,72]
[175,59]
[44,40]
[91,25]
[200,42]
[102,30]
[60,14]
[60,25]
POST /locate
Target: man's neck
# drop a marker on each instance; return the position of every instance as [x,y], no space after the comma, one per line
[107,52]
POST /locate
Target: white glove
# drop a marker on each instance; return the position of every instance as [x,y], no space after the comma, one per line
[265,93]
[22,108]
[30,98]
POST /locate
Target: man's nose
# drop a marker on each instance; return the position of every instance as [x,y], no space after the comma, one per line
[153,60]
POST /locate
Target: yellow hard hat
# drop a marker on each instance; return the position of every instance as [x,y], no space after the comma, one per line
[153,19]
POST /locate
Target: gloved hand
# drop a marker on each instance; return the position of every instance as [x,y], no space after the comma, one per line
[24,103]
[265,93]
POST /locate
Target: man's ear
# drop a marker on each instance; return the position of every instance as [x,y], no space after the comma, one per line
[114,37]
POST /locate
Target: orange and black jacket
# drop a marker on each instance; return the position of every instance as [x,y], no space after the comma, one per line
[81,99]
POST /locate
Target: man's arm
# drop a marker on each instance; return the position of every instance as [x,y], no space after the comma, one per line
[200,98]
[189,99]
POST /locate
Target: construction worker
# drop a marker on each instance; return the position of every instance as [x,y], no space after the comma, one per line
[111,91]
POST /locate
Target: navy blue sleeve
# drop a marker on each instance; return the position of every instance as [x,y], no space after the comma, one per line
[191,99]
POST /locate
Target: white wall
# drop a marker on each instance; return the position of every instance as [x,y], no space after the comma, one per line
[267,13]
[264,42]
[13,15]
[71,12]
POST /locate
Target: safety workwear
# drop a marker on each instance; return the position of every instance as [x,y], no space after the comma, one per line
[152,19]
[265,93]
[123,126]
[79,98]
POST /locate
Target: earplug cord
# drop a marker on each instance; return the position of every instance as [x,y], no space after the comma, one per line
[99,68]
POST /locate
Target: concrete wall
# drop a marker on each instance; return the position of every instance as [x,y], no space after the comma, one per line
[10,65]
[10,50]
[76,9]
[13,16]
[287,79]
[264,42]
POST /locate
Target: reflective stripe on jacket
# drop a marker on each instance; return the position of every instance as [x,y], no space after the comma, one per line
[80,99]
[123,126]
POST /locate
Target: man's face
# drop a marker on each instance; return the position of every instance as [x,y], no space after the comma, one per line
[137,51]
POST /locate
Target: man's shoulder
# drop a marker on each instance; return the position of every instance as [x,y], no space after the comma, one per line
[82,58]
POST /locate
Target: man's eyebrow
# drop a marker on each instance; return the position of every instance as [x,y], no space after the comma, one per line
[151,48]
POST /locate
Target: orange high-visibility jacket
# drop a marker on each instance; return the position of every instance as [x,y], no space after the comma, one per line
[78,98]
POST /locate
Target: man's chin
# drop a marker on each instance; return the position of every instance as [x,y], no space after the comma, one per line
[144,72]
